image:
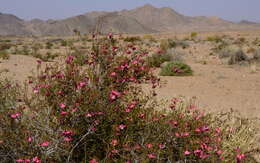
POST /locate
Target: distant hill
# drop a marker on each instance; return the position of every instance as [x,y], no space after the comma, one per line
[144,19]
[246,22]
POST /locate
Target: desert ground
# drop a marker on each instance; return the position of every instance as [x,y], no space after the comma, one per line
[216,85]
[221,70]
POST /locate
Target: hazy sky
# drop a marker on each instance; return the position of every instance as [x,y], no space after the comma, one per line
[234,10]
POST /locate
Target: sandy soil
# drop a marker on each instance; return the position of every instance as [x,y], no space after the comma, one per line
[217,88]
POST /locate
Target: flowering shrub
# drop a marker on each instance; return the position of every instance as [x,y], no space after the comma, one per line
[176,69]
[97,112]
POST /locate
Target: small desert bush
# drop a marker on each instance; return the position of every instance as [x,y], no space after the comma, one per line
[45,57]
[176,55]
[64,43]
[5,46]
[220,46]
[193,35]
[4,55]
[25,50]
[49,45]
[215,39]
[132,39]
[164,45]
[235,55]
[150,38]
[238,57]
[176,69]
[97,112]
[50,56]
[157,59]
[256,42]
[240,41]
[256,55]
[169,43]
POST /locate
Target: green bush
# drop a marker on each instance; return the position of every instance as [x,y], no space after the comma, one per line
[45,57]
[150,38]
[49,45]
[220,46]
[193,35]
[132,39]
[4,55]
[216,39]
[64,43]
[176,69]
[155,60]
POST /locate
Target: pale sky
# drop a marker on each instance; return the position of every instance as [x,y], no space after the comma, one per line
[234,10]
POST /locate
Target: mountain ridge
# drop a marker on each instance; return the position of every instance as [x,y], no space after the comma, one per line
[143,19]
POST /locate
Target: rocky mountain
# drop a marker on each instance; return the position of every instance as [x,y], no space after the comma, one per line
[12,25]
[145,19]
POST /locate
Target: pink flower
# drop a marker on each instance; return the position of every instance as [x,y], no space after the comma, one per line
[114,95]
[64,113]
[39,61]
[89,114]
[81,84]
[141,115]
[177,134]
[186,152]
[219,152]
[152,155]
[113,74]
[161,146]
[67,133]
[114,151]
[240,157]
[218,130]
[122,126]
[149,146]
[137,147]
[156,119]
[27,161]
[69,59]
[35,90]
[204,128]
[15,115]
[185,134]
[19,160]
[29,139]
[45,144]
[36,160]
[74,110]
[114,142]
[110,35]
[62,106]
[93,161]
[197,151]
[135,62]
[67,139]
[128,52]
